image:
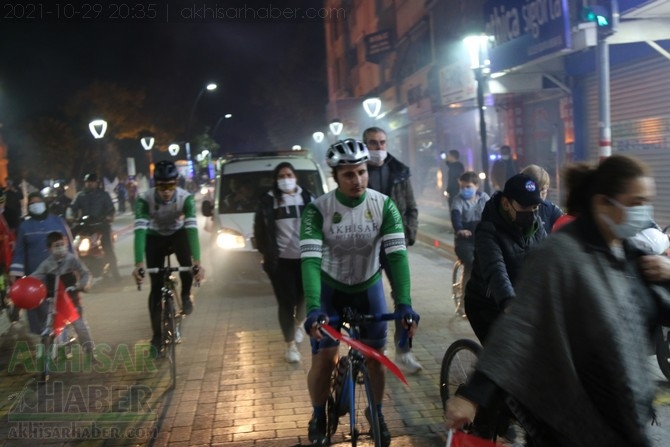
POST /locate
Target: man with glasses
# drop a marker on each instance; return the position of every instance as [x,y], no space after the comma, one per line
[389,176]
[509,228]
[96,203]
[165,223]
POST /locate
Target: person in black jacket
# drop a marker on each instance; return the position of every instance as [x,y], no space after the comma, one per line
[454,171]
[277,236]
[509,229]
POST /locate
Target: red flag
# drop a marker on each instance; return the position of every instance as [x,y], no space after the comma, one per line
[366,351]
[65,310]
[461,439]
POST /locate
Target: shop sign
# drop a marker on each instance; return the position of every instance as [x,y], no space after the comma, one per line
[525,30]
[378,44]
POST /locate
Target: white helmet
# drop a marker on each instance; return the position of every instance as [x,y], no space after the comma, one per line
[652,240]
[347,152]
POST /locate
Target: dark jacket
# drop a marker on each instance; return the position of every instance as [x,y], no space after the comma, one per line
[549,213]
[399,189]
[95,203]
[579,333]
[454,171]
[265,230]
[500,251]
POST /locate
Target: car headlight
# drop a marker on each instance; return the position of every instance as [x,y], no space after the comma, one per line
[229,239]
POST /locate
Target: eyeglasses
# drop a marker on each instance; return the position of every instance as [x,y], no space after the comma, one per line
[166,186]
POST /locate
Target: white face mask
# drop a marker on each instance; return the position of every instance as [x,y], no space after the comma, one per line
[59,251]
[37,208]
[377,157]
[287,184]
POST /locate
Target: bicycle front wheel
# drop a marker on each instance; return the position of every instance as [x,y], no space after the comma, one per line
[457,366]
[364,419]
[170,338]
[48,355]
[458,288]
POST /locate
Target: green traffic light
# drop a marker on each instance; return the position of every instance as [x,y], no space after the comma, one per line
[590,15]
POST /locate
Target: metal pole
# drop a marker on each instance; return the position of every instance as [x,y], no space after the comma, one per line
[479,75]
[605,136]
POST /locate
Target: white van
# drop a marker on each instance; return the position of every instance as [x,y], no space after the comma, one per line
[240,182]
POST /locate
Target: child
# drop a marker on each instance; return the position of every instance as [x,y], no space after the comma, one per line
[73,274]
[466,212]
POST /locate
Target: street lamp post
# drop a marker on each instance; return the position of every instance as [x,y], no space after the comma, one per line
[477,47]
[372,107]
[209,87]
[148,144]
[98,128]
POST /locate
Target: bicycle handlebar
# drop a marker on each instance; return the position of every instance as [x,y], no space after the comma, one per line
[349,316]
[155,270]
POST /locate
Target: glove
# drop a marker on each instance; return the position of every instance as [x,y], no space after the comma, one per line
[314,317]
[405,311]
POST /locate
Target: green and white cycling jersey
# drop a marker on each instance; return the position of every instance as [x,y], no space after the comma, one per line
[340,242]
[154,217]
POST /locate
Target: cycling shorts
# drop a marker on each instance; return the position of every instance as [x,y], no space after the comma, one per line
[370,301]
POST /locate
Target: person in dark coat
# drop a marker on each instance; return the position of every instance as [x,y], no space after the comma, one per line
[12,212]
[454,171]
[509,229]
[570,357]
[503,168]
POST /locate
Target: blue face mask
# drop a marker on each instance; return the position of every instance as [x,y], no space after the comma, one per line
[636,219]
[467,193]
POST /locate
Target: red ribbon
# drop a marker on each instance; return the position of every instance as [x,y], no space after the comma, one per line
[65,311]
[461,439]
[366,351]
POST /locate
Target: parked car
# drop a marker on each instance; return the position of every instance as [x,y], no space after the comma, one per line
[240,181]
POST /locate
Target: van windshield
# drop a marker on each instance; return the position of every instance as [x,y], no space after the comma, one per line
[240,193]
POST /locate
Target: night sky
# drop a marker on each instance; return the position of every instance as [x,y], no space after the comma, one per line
[42,63]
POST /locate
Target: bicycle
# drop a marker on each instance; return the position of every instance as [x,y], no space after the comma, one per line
[351,390]
[458,288]
[458,364]
[170,319]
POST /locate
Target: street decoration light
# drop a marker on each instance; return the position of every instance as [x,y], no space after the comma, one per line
[147,143]
[336,127]
[478,50]
[296,147]
[318,136]
[98,128]
[173,149]
[372,107]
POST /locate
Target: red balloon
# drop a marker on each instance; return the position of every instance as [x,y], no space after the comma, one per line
[27,292]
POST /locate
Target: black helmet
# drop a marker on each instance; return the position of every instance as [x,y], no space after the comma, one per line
[165,170]
[91,177]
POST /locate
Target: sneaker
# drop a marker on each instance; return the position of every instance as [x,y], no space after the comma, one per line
[299,334]
[383,428]
[292,354]
[316,431]
[186,305]
[408,363]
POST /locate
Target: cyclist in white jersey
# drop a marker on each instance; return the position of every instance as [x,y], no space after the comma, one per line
[341,236]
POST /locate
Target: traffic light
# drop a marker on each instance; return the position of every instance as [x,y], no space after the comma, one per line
[598,14]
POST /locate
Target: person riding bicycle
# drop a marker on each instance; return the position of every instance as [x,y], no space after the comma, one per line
[165,223]
[97,204]
[341,236]
[466,212]
[509,229]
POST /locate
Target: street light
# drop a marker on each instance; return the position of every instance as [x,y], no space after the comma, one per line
[98,128]
[173,149]
[478,50]
[218,123]
[318,137]
[148,144]
[209,87]
[372,107]
[336,127]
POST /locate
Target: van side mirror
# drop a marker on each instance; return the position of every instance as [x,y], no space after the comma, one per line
[207,208]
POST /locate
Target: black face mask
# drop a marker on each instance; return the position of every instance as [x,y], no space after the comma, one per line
[525,219]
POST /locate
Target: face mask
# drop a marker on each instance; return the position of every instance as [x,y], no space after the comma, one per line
[37,208]
[378,157]
[59,251]
[286,184]
[467,193]
[525,219]
[636,218]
